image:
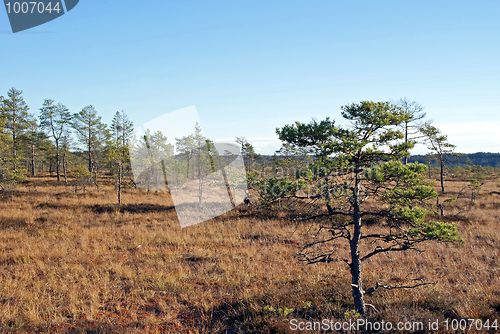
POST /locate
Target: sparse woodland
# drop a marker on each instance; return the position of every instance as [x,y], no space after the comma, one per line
[355,230]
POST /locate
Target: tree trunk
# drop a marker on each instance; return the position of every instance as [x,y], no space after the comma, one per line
[32,160]
[14,148]
[64,169]
[95,181]
[149,180]
[405,159]
[327,196]
[200,188]
[57,161]
[91,164]
[122,161]
[120,184]
[442,172]
[357,287]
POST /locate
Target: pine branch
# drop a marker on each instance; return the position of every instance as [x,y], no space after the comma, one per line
[383,285]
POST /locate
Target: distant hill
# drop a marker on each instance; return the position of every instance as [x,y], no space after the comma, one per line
[480,158]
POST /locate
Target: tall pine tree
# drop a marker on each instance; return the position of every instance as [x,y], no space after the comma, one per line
[92,133]
[15,111]
[118,149]
[54,118]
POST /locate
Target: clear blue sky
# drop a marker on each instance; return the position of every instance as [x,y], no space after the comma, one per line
[252,66]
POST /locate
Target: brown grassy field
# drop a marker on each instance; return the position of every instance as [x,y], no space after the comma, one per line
[77,263]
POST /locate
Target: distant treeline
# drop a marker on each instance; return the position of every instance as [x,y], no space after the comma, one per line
[480,158]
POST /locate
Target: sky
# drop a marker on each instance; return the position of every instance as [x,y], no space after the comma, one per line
[252,66]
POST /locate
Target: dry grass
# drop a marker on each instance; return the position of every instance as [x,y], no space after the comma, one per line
[75,263]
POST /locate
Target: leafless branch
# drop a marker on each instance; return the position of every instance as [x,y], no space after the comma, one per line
[326,258]
[396,247]
[383,285]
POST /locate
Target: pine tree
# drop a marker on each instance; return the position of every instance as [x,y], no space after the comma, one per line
[413,113]
[15,111]
[370,184]
[54,118]
[92,133]
[439,146]
[186,147]
[151,155]
[34,140]
[118,150]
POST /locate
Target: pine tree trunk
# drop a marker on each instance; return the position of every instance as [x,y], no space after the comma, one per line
[200,190]
[64,169]
[57,161]
[442,175]
[32,160]
[405,161]
[198,158]
[95,179]
[14,148]
[357,287]
[327,196]
[91,165]
[14,141]
[148,180]
[120,184]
